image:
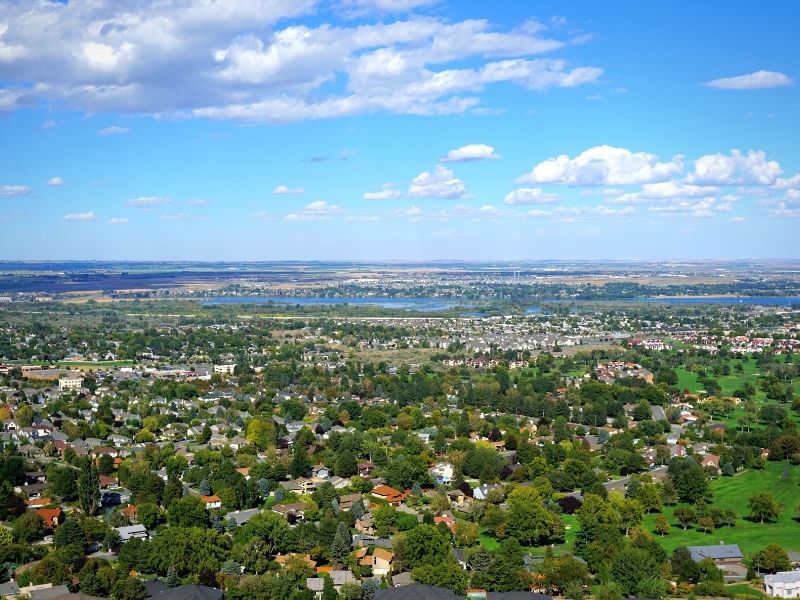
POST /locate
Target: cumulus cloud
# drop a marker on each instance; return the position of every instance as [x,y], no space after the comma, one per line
[285,190]
[84,216]
[113,130]
[752,168]
[55,181]
[387,192]
[8,191]
[147,202]
[604,165]
[117,221]
[664,190]
[413,212]
[530,196]
[471,152]
[441,183]
[181,217]
[319,210]
[752,81]
[256,60]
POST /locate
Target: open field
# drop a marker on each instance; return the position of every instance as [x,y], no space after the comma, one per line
[733,493]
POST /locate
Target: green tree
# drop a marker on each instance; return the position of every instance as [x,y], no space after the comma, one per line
[689,479]
[300,464]
[187,512]
[632,566]
[129,588]
[662,525]
[69,533]
[447,574]
[328,591]
[89,489]
[29,527]
[686,516]
[771,559]
[528,520]
[62,482]
[684,568]
[346,464]
[425,544]
[150,515]
[763,507]
[341,544]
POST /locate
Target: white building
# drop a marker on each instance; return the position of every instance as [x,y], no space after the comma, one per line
[785,584]
[225,369]
[70,383]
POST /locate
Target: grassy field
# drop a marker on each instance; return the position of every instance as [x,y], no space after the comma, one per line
[742,589]
[732,493]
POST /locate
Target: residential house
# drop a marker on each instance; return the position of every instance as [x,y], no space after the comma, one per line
[339,578]
[240,517]
[785,584]
[380,560]
[128,532]
[52,517]
[212,501]
[442,473]
[392,496]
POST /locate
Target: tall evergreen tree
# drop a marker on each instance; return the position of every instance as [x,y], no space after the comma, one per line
[89,489]
[342,543]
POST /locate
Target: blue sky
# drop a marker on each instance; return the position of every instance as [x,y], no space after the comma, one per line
[398,129]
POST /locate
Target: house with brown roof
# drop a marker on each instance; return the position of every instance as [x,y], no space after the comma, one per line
[392,496]
[212,501]
[380,560]
[52,517]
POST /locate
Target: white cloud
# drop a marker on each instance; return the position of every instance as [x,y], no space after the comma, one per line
[363,219]
[197,202]
[752,168]
[354,8]
[530,196]
[8,191]
[604,165]
[261,214]
[285,190]
[490,212]
[113,130]
[664,190]
[387,192]
[572,213]
[55,181]
[413,212]
[181,217]
[148,201]
[256,60]
[471,152]
[693,207]
[117,221]
[537,213]
[441,183]
[319,210]
[84,216]
[738,219]
[752,81]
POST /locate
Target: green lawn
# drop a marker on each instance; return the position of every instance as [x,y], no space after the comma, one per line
[742,589]
[688,381]
[732,493]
